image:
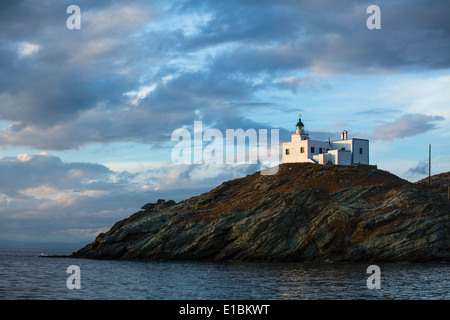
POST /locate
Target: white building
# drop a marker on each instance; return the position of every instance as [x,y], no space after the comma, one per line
[341,152]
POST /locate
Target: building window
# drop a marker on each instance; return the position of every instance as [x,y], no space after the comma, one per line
[320,150]
[287,151]
[312,149]
[302,150]
[360,150]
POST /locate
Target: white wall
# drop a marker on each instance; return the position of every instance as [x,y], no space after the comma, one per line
[316,145]
[340,157]
[344,158]
[324,158]
[358,157]
[295,146]
[294,151]
[339,144]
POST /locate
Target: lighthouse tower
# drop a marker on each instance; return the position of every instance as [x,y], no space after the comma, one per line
[300,130]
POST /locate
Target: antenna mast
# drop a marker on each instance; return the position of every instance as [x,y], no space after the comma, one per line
[429,165]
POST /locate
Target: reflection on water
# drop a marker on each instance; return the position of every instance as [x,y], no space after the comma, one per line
[23,275]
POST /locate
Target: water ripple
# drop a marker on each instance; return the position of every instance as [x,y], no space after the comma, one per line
[23,275]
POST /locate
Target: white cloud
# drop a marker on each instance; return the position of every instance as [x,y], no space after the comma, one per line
[140,94]
[134,166]
[421,94]
[116,18]
[43,190]
[27,49]
[24,157]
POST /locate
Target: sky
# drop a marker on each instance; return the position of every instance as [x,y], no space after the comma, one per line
[87,115]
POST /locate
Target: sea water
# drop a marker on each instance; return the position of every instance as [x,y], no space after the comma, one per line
[25,275]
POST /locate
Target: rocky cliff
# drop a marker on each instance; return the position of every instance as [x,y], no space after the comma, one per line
[305,212]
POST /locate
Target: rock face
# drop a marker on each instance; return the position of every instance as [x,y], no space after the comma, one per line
[439,183]
[305,212]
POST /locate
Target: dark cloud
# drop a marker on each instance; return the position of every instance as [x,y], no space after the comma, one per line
[50,197]
[73,201]
[331,35]
[244,22]
[420,169]
[31,171]
[61,89]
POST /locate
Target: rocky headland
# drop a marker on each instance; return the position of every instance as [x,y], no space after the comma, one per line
[305,212]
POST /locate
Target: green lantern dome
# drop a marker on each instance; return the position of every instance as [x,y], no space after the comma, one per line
[300,123]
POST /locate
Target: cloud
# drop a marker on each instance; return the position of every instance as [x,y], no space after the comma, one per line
[169,104]
[46,198]
[378,112]
[252,23]
[39,171]
[47,195]
[299,83]
[407,125]
[74,89]
[117,18]
[326,38]
[27,49]
[420,169]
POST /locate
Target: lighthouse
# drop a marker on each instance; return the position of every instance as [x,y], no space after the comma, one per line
[300,130]
[340,152]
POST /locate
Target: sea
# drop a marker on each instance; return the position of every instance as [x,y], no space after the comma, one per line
[26,275]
